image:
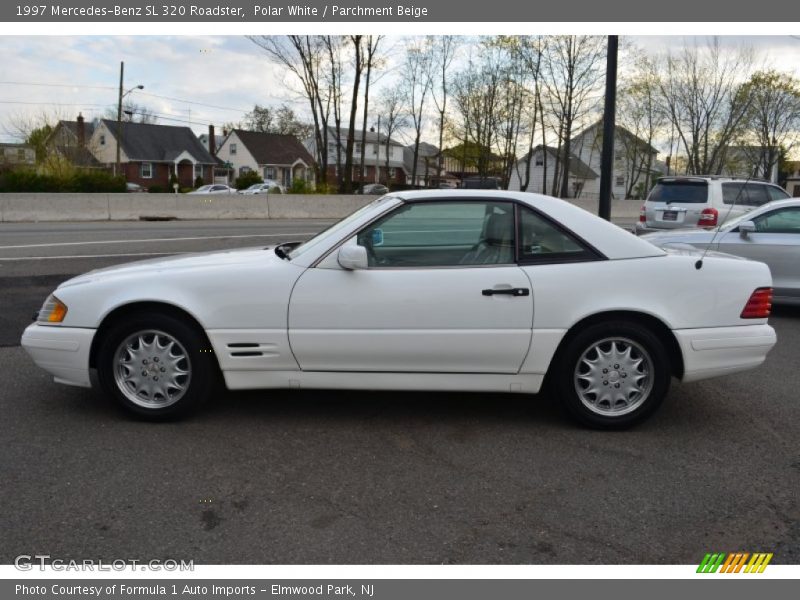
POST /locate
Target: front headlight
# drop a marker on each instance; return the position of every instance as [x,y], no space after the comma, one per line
[53,311]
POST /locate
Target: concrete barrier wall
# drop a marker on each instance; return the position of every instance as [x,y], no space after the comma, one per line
[131,207]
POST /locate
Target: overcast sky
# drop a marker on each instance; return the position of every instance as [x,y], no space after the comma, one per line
[196,80]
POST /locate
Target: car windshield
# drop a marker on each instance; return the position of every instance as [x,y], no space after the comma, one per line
[682,191]
[204,188]
[325,234]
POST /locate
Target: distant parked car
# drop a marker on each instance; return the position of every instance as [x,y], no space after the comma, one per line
[769,234]
[481,183]
[266,187]
[702,201]
[374,189]
[215,188]
[134,187]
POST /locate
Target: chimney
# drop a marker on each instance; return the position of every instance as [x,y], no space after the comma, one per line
[81,132]
[212,141]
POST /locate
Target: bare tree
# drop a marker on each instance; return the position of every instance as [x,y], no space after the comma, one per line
[571,76]
[416,84]
[392,111]
[305,58]
[706,99]
[444,48]
[370,59]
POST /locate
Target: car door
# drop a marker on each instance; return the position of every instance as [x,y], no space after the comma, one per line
[441,293]
[776,241]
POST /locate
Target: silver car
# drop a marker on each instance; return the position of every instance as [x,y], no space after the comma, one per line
[769,234]
[702,201]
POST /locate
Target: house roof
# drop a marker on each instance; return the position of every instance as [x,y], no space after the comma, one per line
[577,167]
[274,148]
[423,154]
[620,132]
[159,143]
[72,127]
[77,155]
[371,138]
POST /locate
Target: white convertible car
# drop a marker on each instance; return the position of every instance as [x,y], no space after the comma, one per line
[437,290]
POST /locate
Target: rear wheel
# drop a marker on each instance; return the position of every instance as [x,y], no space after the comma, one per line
[156,366]
[613,375]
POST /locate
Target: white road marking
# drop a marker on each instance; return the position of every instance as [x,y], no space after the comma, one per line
[93,256]
[180,239]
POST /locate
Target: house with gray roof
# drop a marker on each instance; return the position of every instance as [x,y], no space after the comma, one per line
[279,157]
[151,154]
[534,173]
[69,139]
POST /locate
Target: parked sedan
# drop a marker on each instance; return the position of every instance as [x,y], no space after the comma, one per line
[375,189]
[770,234]
[474,291]
[266,187]
[216,188]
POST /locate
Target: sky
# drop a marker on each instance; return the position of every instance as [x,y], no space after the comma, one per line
[197,80]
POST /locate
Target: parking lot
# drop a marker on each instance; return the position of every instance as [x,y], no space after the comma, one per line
[363,478]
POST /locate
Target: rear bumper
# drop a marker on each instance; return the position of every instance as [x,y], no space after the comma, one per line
[723,350]
[61,351]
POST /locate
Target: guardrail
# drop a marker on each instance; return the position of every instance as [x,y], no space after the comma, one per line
[15,208]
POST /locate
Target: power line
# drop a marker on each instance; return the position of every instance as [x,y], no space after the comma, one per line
[67,85]
[193,102]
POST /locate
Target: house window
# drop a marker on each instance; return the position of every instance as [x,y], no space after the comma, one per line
[539,161]
[146,170]
[21,154]
[233,149]
[244,170]
[269,172]
[198,171]
[392,172]
[357,150]
[102,140]
[618,155]
[619,181]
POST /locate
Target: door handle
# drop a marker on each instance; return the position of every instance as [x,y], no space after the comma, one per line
[507,292]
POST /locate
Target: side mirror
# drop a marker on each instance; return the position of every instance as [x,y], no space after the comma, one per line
[352,257]
[746,227]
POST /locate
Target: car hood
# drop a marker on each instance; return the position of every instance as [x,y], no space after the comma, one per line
[260,255]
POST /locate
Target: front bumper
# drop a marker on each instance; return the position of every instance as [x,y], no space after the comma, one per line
[715,351]
[61,351]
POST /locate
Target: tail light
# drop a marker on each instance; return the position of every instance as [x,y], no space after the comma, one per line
[708,218]
[759,304]
[642,217]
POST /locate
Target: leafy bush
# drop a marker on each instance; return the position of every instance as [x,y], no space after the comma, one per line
[173,180]
[300,186]
[245,180]
[27,180]
[198,182]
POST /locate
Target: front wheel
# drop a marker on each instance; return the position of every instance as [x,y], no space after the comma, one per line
[156,366]
[613,375]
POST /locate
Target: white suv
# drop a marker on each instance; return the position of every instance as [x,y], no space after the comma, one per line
[702,201]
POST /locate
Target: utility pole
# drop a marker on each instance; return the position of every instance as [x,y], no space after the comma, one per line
[609,123]
[118,166]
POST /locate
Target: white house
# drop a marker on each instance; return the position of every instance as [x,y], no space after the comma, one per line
[540,169]
[632,157]
[279,157]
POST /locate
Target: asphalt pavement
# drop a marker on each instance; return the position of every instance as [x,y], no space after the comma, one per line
[320,477]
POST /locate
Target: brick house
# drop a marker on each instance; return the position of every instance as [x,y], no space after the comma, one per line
[375,147]
[150,154]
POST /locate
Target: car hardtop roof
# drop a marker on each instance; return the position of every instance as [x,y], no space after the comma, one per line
[713,178]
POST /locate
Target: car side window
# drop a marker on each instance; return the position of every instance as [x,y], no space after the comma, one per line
[784,220]
[543,241]
[442,234]
[776,193]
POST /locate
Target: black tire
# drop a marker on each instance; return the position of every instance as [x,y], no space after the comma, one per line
[627,393]
[144,339]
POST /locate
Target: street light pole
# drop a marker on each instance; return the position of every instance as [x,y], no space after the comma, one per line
[118,164]
[609,122]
